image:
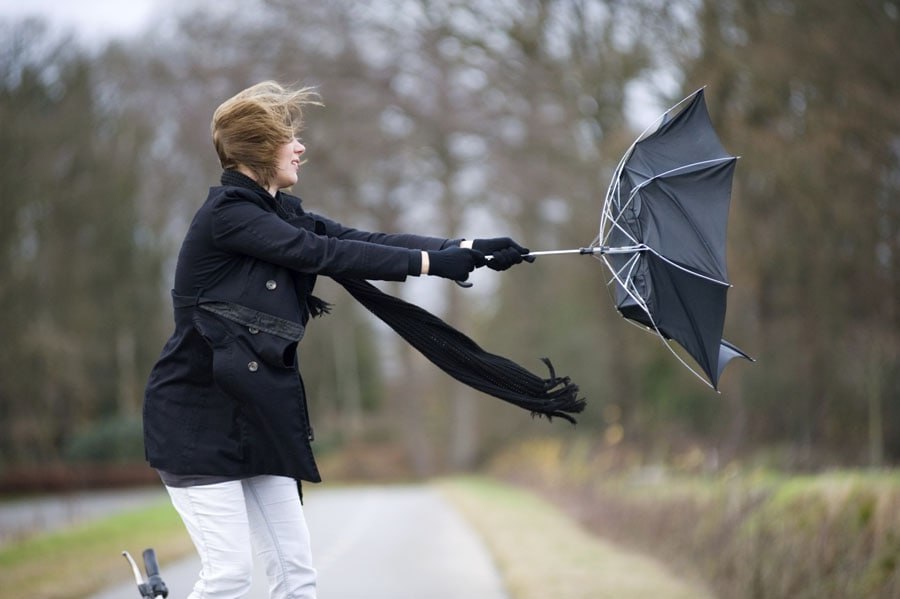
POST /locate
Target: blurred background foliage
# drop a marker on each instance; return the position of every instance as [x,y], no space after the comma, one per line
[468,119]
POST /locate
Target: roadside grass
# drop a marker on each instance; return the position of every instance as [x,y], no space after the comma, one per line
[542,553]
[747,532]
[80,560]
[539,551]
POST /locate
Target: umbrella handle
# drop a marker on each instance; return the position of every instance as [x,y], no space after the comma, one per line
[582,251]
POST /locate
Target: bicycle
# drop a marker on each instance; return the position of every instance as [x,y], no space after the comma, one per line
[153,587]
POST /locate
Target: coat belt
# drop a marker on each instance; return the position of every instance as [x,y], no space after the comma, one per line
[248,317]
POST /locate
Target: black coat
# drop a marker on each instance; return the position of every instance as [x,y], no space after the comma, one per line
[226,396]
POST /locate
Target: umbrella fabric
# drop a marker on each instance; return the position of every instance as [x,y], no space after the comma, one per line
[464,360]
[670,204]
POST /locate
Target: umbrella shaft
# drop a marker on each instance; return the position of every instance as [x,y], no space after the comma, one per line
[595,250]
[603,249]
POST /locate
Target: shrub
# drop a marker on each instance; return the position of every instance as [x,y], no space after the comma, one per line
[114,440]
[747,534]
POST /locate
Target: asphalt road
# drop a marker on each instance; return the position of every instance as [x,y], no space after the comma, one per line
[399,542]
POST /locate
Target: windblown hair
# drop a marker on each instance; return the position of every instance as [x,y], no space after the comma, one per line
[248,128]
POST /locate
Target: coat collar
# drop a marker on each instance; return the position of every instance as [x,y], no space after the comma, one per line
[280,203]
[233,178]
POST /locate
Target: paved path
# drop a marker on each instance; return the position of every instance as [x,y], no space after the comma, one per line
[402,542]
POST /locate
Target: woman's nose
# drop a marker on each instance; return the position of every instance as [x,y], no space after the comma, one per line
[299,148]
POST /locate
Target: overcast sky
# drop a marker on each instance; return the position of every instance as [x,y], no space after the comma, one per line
[92,19]
[96,21]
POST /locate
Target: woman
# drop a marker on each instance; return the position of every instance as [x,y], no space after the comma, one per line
[225,414]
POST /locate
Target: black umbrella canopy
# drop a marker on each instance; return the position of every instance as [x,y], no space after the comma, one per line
[664,229]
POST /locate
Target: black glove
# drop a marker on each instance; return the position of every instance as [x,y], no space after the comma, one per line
[504,251]
[454,263]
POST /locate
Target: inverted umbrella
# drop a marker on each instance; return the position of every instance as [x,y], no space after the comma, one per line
[662,235]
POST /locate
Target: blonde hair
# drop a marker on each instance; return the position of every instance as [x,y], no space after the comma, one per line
[248,128]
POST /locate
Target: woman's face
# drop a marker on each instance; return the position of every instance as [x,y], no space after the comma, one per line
[288,162]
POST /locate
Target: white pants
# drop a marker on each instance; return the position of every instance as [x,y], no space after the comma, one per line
[224,519]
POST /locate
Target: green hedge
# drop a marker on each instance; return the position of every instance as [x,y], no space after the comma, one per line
[114,440]
[747,534]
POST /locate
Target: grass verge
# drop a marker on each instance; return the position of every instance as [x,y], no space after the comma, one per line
[747,533]
[542,553]
[78,561]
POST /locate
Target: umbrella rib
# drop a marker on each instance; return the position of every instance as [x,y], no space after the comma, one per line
[625,287]
[615,190]
[630,264]
[696,333]
[655,328]
[614,182]
[701,238]
[680,168]
[688,270]
[653,178]
[683,362]
[613,223]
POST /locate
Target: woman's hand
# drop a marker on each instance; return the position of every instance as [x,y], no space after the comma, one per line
[452,263]
[504,252]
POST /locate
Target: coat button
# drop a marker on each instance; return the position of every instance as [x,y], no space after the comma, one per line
[253,366]
[271,284]
[253,330]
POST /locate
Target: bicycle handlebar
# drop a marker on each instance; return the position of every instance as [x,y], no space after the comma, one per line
[153,587]
[157,586]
